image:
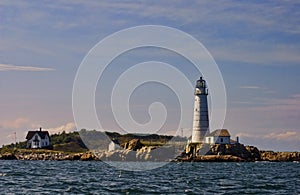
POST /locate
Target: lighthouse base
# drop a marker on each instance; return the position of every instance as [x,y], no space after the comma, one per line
[198,136]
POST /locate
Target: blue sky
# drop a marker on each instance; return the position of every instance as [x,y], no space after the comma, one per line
[255,44]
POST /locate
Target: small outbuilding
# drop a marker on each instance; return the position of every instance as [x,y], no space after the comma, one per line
[38,139]
[219,136]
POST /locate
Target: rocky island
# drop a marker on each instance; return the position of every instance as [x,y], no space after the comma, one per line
[202,146]
[136,148]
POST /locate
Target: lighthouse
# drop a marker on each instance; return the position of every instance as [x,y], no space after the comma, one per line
[200,121]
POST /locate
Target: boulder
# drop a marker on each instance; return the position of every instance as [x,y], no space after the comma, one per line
[217,158]
[133,144]
[247,153]
[8,156]
[280,156]
[116,155]
[87,157]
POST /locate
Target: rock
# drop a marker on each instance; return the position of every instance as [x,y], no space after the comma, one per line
[129,155]
[77,156]
[67,157]
[246,153]
[133,144]
[87,157]
[72,157]
[135,151]
[280,156]
[163,154]
[116,155]
[8,156]
[217,158]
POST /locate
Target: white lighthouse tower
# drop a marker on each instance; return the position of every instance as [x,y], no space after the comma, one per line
[200,122]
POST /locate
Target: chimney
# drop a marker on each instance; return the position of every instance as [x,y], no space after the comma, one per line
[237,139]
[40,128]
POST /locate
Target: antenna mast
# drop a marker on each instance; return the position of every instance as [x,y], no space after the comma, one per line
[15,133]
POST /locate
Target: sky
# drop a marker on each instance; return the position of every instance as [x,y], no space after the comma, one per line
[256,45]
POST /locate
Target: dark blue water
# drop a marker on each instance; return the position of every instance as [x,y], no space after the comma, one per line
[54,177]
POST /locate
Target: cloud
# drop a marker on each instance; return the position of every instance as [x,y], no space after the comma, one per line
[283,106]
[296,96]
[229,13]
[69,127]
[10,67]
[257,22]
[249,87]
[280,136]
[22,125]
[253,16]
[269,122]
[255,51]
[288,135]
[15,124]
[277,141]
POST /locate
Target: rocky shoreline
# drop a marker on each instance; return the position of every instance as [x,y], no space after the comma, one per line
[144,154]
[266,156]
[59,156]
[234,153]
[134,150]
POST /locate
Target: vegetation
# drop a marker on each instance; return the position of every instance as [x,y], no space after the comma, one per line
[80,142]
[146,139]
[68,142]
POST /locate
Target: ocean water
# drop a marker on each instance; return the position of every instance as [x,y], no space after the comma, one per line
[78,177]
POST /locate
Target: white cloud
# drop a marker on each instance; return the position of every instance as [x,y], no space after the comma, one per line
[10,67]
[263,16]
[205,20]
[22,125]
[218,13]
[255,51]
[283,107]
[287,135]
[15,124]
[273,124]
[15,127]
[277,140]
[249,87]
[69,127]
[280,136]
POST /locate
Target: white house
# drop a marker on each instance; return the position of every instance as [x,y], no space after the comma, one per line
[219,136]
[114,145]
[38,139]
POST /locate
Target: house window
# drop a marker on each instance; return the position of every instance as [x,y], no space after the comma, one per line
[221,139]
[209,140]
